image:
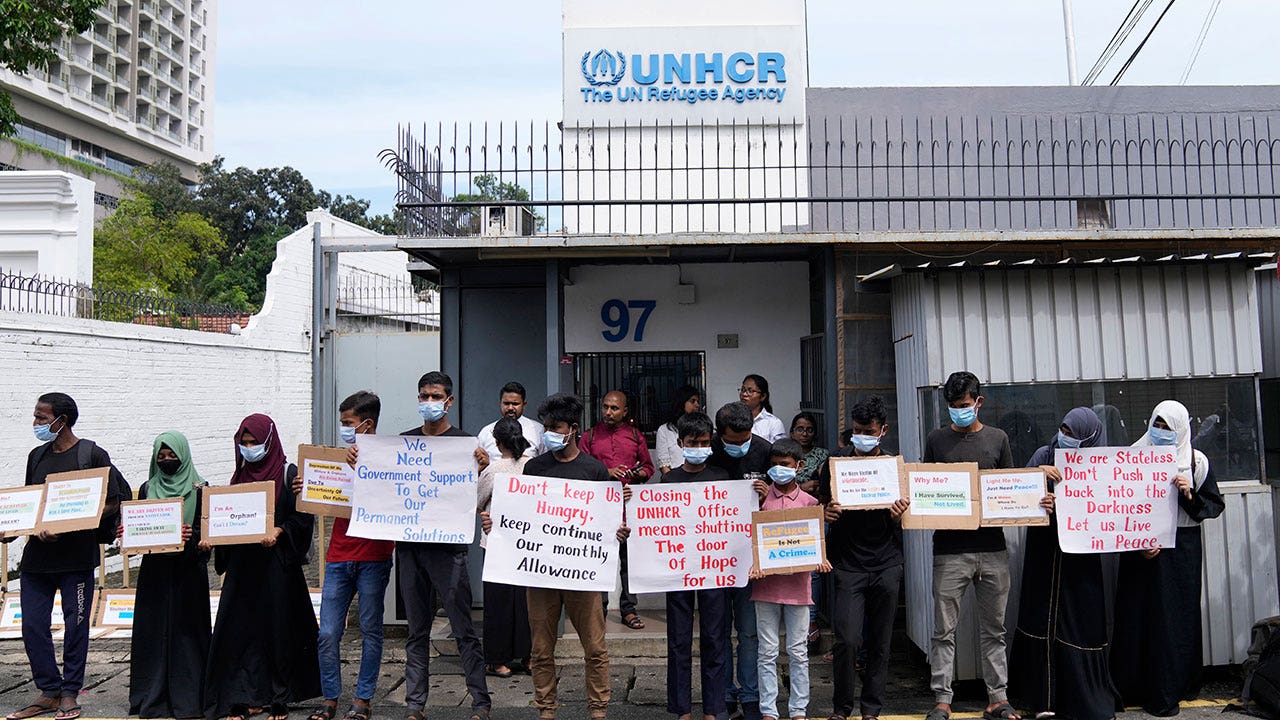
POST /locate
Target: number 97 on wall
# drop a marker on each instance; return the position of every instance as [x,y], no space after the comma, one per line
[623,318]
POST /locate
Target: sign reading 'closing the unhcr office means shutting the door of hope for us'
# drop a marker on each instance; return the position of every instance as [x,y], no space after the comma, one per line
[411,488]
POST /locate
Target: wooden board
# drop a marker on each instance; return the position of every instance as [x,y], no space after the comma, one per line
[953,519]
[213,493]
[787,516]
[836,464]
[15,497]
[314,460]
[1029,476]
[142,549]
[52,505]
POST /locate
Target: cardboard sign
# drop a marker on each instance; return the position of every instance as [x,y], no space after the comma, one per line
[943,496]
[866,483]
[788,541]
[151,526]
[20,510]
[1116,499]
[415,489]
[215,597]
[327,481]
[554,533]
[11,612]
[316,595]
[115,608]
[1012,497]
[690,536]
[238,514]
[74,500]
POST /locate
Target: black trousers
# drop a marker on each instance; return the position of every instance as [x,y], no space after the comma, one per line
[626,599]
[36,592]
[713,646]
[870,597]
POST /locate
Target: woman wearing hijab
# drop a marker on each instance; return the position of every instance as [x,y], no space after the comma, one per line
[263,652]
[171,624]
[1059,658]
[1156,658]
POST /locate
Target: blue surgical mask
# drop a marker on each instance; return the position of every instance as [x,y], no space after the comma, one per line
[431,410]
[865,443]
[1160,436]
[348,435]
[697,456]
[43,433]
[554,441]
[963,417]
[781,474]
[1066,441]
[737,451]
[254,453]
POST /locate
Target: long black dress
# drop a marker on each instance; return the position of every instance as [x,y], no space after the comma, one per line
[1157,658]
[264,641]
[170,632]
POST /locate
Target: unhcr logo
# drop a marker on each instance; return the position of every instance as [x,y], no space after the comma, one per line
[604,68]
[739,77]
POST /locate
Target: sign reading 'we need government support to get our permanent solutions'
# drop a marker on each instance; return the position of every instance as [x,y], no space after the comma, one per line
[415,489]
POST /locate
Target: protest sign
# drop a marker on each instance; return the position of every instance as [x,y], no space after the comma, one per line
[11,613]
[115,608]
[1012,497]
[690,536]
[20,510]
[327,481]
[1116,499]
[866,483]
[151,526]
[215,597]
[316,595]
[943,496]
[788,541]
[74,500]
[410,488]
[238,514]
[554,533]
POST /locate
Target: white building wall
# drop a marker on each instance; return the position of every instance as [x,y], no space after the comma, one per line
[46,225]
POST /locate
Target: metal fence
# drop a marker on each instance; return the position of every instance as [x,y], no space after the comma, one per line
[46,296]
[648,379]
[370,302]
[843,174]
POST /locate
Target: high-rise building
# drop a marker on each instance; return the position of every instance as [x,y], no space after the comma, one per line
[136,88]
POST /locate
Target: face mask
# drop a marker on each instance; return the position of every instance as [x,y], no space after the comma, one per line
[737,451]
[253,454]
[1160,436]
[348,435]
[431,410]
[554,441]
[697,456]
[43,433]
[1066,441]
[781,475]
[865,443]
[963,417]
[169,467]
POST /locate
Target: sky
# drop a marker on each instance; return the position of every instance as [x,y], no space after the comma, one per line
[321,86]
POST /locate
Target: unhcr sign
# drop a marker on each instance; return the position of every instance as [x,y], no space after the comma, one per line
[687,77]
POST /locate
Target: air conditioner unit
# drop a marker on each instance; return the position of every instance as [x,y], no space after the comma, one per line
[506,221]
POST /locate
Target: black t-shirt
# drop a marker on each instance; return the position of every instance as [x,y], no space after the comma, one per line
[864,540]
[582,467]
[756,459]
[453,431]
[73,551]
[989,448]
[708,473]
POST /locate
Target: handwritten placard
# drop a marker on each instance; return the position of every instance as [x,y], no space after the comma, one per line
[74,500]
[415,489]
[690,536]
[866,483]
[554,533]
[238,514]
[151,526]
[11,612]
[1012,497]
[115,609]
[943,496]
[1116,499]
[20,510]
[327,481]
[788,541]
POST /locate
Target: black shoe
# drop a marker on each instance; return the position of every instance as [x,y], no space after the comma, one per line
[751,711]
[733,711]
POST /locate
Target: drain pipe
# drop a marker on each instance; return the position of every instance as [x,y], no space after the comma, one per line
[318,296]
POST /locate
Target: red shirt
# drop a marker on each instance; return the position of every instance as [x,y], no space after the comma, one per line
[622,445]
[345,548]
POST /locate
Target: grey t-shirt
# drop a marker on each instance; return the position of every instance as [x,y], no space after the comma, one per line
[989,447]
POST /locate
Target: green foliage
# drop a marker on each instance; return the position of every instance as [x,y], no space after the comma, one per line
[137,249]
[29,32]
[489,187]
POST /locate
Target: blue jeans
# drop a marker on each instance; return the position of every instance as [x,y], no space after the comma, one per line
[770,618]
[342,581]
[742,617]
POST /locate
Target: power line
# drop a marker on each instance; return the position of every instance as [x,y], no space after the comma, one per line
[1124,68]
[1118,38]
[1204,33]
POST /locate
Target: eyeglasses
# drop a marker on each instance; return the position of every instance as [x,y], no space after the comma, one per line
[803,430]
[748,391]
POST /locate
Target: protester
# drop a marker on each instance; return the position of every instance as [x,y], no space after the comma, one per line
[506,608]
[171,628]
[782,601]
[263,651]
[1058,663]
[969,557]
[865,551]
[615,442]
[754,393]
[352,566]
[424,569]
[666,454]
[511,402]
[53,562]
[804,430]
[694,436]
[1156,659]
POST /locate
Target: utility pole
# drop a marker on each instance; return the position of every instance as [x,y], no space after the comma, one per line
[1070,29]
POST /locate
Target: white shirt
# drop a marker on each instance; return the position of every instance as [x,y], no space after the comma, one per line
[666,449]
[531,430]
[768,426]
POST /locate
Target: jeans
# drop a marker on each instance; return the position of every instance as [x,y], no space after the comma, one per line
[344,580]
[36,593]
[770,617]
[988,573]
[741,616]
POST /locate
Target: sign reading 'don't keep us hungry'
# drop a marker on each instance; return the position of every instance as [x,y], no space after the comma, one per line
[410,488]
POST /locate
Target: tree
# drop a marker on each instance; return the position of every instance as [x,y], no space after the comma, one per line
[29,30]
[489,187]
[136,249]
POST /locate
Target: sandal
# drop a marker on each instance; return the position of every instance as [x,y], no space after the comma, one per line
[35,709]
[325,712]
[633,621]
[416,715]
[68,709]
[837,716]
[937,714]
[358,713]
[279,711]
[1003,711]
[493,670]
